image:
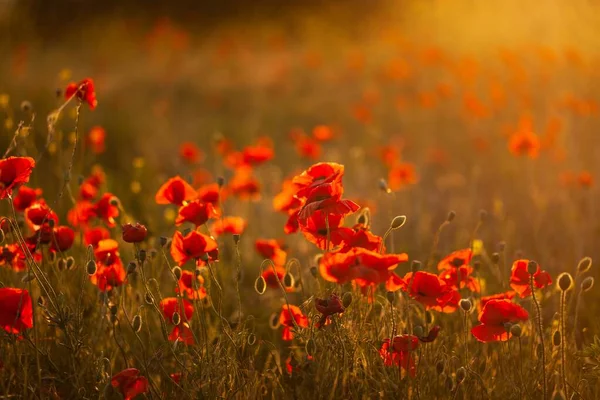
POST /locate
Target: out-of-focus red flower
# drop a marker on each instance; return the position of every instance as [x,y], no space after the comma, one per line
[106,210]
[192,285]
[129,383]
[259,153]
[398,352]
[40,214]
[244,184]
[328,307]
[316,228]
[16,312]
[192,246]
[322,133]
[508,295]
[12,256]
[170,305]
[455,259]
[464,274]
[401,175]
[190,153]
[428,289]
[175,191]
[176,376]
[81,213]
[231,225]
[14,171]
[271,249]
[361,265]
[308,147]
[286,200]
[134,233]
[25,197]
[87,191]
[288,316]
[520,280]
[524,142]
[183,334]
[84,91]
[209,194]
[94,235]
[95,140]
[106,251]
[63,238]
[272,278]
[493,318]
[196,212]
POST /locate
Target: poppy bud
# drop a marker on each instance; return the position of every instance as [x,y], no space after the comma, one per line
[236,238]
[451,216]
[274,321]
[52,257]
[364,218]
[114,201]
[418,330]
[565,281]
[148,298]
[390,297]
[516,330]
[556,338]
[398,222]
[91,267]
[461,374]
[532,267]
[25,106]
[134,233]
[507,326]
[176,318]
[62,264]
[113,308]
[251,339]
[384,186]
[260,285]
[587,283]
[465,304]
[163,241]
[482,215]
[288,280]
[177,272]
[2,236]
[142,255]
[584,265]
[495,258]
[310,347]
[136,324]
[131,267]
[70,262]
[347,299]
[439,367]
[415,266]
[220,181]
[313,272]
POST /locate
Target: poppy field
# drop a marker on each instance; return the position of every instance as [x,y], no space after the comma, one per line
[316,212]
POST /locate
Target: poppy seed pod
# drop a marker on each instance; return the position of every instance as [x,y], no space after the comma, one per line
[91,267]
[176,318]
[236,238]
[398,222]
[260,285]
[163,241]
[142,255]
[288,280]
[451,216]
[532,267]
[556,338]
[131,267]
[347,299]
[516,330]
[565,281]
[136,324]
[148,298]
[391,297]
[62,264]
[418,331]
[415,266]
[465,304]
[70,262]
[177,272]
[461,374]
[587,283]
[220,181]
[584,265]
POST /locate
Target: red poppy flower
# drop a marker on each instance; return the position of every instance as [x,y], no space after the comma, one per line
[209,193]
[12,256]
[520,278]
[508,295]
[108,276]
[87,191]
[432,335]
[315,230]
[134,233]
[286,200]
[192,285]
[428,289]
[81,213]
[95,140]
[322,133]
[328,307]
[192,246]
[26,197]
[93,236]
[308,147]
[232,225]
[16,313]
[105,210]
[84,91]
[129,383]
[175,191]
[272,278]
[170,305]
[493,318]
[14,171]
[258,154]
[196,212]
[363,266]
[402,174]
[316,175]
[176,376]
[63,238]
[398,352]
[451,277]
[244,185]
[106,251]
[455,259]
[183,334]
[39,214]
[190,153]
[288,316]
[271,249]
[326,197]
[292,225]
[362,237]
